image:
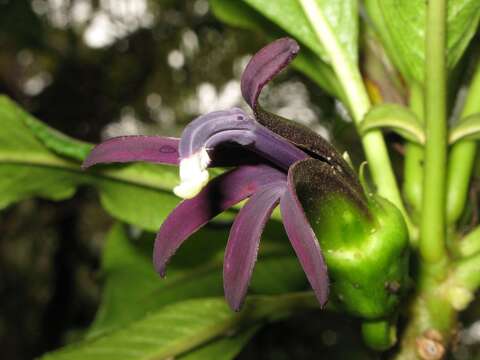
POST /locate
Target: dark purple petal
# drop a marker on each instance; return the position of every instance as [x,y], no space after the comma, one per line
[264,65]
[243,242]
[203,136]
[304,242]
[209,131]
[308,141]
[155,149]
[315,180]
[220,194]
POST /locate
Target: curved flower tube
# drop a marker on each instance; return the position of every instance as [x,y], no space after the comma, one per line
[204,134]
[277,163]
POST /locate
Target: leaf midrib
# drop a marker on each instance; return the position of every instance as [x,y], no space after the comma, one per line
[36,160]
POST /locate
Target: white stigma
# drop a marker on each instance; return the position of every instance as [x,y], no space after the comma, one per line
[193,175]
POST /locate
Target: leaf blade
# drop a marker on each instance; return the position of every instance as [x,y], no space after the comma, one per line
[30,168]
[401,26]
[288,14]
[467,129]
[243,15]
[396,118]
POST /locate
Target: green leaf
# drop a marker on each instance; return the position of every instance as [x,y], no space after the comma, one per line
[180,327]
[225,348]
[56,141]
[467,129]
[30,166]
[319,71]
[134,292]
[289,15]
[396,118]
[401,26]
[133,288]
[240,14]
[173,330]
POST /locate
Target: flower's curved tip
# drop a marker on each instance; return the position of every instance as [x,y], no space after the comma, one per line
[160,269]
[265,65]
[193,175]
[286,43]
[234,302]
[233,296]
[323,305]
[235,307]
[159,263]
[88,162]
[162,273]
[292,44]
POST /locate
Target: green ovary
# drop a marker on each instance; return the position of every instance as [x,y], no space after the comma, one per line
[367,256]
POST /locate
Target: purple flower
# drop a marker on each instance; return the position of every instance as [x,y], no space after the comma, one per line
[269,152]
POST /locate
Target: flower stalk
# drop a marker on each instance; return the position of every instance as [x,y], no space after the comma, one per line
[432,315]
[359,103]
[413,168]
[432,229]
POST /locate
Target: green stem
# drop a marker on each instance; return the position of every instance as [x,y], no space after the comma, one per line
[432,229]
[431,317]
[462,156]
[413,166]
[432,312]
[379,335]
[347,72]
[359,104]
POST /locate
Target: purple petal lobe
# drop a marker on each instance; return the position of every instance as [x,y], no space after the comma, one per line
[243,242]
[155,149]
[304,243]
[220,194]
[220,128]
[264,65]
[214,128]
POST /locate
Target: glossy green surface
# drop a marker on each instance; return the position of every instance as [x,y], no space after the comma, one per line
[367,258]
